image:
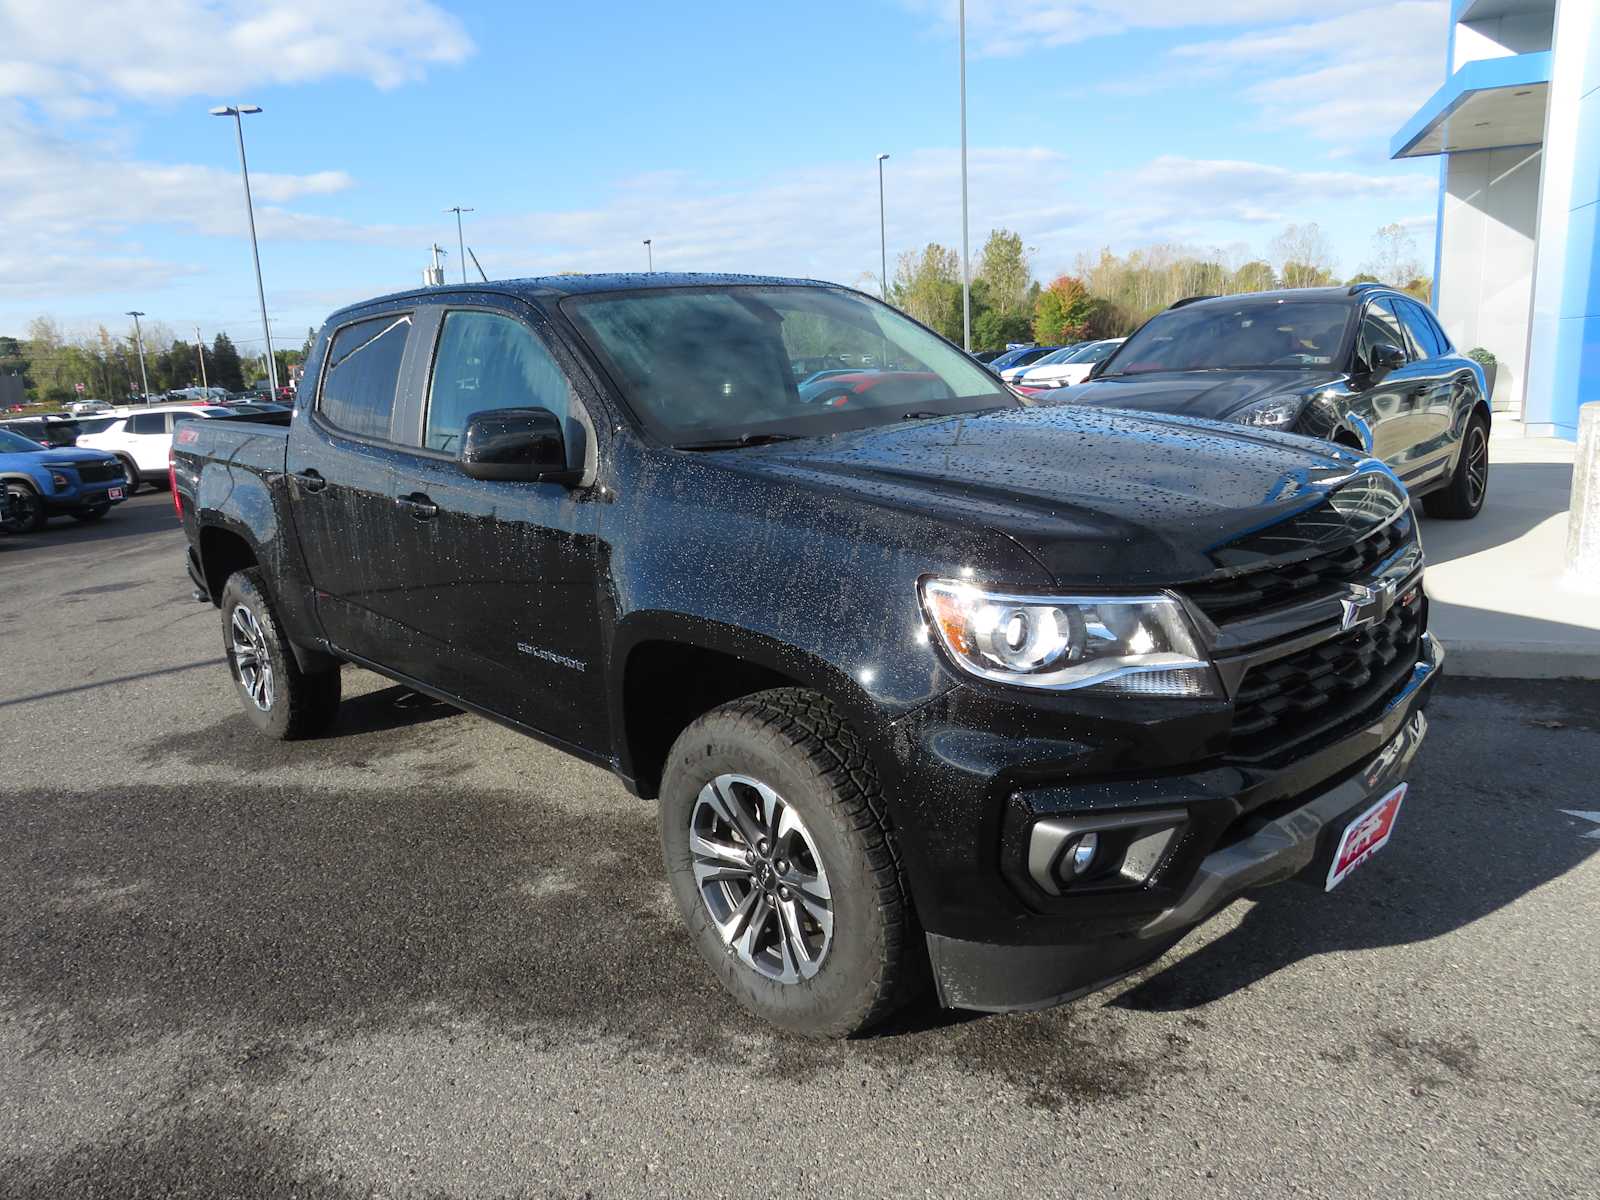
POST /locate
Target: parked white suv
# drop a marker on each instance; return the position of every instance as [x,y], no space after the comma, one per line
[1073,369]
[140,437]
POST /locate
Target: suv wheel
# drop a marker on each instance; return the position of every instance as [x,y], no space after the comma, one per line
[27,509]
[1462,497]
[784,868]
[130,475]
[280,699]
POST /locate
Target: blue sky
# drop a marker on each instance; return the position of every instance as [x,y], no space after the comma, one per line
[738,136]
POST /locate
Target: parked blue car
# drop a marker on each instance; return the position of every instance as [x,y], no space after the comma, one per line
[45,483]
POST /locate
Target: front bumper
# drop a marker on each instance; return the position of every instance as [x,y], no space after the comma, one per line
[1266,827]
[85,496]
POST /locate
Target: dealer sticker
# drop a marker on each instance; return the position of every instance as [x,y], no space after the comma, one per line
[1365,836]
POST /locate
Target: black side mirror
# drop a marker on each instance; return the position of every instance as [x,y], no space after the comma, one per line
[1385,356]
[520,444]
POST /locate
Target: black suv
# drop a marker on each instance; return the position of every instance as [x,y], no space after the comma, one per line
[1364,366]
[922,678]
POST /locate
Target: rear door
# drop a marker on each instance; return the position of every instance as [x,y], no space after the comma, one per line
[146,438]
[340,462]
[501,576]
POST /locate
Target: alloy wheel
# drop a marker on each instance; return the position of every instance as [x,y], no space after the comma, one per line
[1477,466]
[251,663]
[25,511]
[760,877]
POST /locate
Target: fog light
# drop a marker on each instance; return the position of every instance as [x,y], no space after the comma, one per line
[1083,853]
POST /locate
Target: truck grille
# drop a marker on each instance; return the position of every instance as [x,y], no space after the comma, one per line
[97,471]
[1330,685]
[1257,592]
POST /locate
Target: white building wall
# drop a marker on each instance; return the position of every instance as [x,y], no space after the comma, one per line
[1486,258]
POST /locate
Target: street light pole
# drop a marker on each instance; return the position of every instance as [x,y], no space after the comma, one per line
[883,237]
[966,273]
[238,112]
[200,349]
[649,257]
[138,340]
[461,245]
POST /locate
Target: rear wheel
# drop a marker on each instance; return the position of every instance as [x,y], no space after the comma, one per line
[1463,496]
[784,868]
[280,699]
[27,509]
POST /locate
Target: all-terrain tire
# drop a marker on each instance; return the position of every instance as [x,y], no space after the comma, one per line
[291,703]
[797,743]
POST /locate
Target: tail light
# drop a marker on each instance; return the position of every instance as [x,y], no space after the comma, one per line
[172,482]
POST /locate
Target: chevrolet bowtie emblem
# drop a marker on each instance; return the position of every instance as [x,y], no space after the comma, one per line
[1365,606]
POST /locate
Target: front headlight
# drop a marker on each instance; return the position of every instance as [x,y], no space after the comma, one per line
[1139,645]
[1277,412]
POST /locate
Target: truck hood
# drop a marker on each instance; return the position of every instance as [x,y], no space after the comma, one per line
[1211,394]
[1097,497]
[60,456]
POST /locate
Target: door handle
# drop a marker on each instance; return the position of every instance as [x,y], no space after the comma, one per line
[421,507]
[311,481]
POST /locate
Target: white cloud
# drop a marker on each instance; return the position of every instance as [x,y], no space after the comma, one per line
[1018,26]
[162,49]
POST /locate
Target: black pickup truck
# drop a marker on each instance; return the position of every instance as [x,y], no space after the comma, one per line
[929,683]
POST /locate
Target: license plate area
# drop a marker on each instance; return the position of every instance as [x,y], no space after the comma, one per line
[114,493]
[1365,835]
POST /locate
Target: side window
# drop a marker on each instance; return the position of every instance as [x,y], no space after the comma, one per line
[147,423]
[363,368]
[487,361]
[1420,328]
[1378,325]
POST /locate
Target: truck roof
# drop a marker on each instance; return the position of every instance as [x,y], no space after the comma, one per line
[545,286]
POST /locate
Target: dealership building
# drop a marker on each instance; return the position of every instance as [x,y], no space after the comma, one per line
[1517,257]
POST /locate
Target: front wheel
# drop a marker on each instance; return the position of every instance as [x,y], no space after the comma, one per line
[130,475]
[27,509]
[1462,498]
[280,699]
[783,865]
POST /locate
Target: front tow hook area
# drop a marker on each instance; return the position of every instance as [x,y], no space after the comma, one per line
[1288,845]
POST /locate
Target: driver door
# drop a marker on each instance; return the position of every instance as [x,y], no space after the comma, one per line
[1384,401]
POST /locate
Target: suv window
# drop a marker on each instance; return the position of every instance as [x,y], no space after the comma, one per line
[155,422]
[488,361]
[358,384]
[1420,328]
[1378,325]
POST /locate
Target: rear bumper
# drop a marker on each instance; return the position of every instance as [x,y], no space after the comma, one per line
[1267,845]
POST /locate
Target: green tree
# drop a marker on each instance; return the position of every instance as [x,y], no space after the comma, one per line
[1253,276]
[1004,269]
[927,286]
[1305,275]
[1361,277]
[993,329]
[1304,256]
[228,371]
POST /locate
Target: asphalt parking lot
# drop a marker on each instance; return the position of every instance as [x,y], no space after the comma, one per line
[428,957]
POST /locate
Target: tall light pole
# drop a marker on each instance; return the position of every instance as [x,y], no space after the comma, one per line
[138,340]
[200,349]
[238,112]
[649,257]
[883,236]
[966,273]
[461,245]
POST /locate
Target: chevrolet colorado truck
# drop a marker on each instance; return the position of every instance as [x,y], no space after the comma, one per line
[932,687]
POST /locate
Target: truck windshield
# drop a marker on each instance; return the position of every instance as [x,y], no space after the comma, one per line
[700,364]
[1247,335]
[15,443]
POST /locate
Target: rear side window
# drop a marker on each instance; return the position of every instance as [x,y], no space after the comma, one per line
[1420,328]
[358,385]
[148,423]
[487,361]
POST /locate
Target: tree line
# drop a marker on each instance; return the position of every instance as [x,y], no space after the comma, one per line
[51,363]
[1111,295]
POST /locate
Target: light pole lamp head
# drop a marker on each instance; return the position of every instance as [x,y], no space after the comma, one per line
[234,110]
[135,312]
[881,157]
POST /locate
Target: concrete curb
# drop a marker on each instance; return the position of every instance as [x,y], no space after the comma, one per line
[1519,660]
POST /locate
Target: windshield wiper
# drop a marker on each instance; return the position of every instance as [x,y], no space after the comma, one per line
[735,443]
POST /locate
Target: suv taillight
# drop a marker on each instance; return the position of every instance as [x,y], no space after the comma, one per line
[172,482]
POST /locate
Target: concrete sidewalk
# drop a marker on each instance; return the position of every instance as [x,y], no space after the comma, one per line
[1499,603]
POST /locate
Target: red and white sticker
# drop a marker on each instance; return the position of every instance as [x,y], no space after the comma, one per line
[187,437]
[1365,836]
